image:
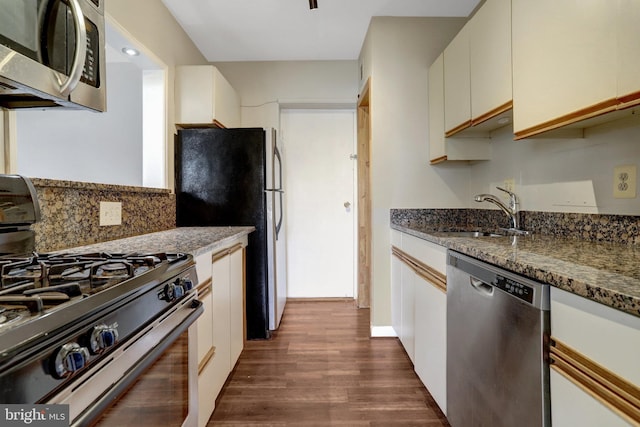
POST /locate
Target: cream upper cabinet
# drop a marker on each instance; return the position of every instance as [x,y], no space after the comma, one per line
[440,148]
[564,56]
[437,150]
[628,52]
[205,97]
[490,62]
[457,83]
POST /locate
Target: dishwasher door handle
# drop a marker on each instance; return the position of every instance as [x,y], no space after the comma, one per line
[481,286]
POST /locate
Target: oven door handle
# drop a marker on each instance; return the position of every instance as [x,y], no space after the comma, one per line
[106,400]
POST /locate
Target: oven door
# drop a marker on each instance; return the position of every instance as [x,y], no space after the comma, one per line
[150,382]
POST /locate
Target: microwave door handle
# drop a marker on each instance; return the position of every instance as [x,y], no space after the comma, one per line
[80,51]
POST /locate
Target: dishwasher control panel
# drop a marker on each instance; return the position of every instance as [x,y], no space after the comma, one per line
[515,288]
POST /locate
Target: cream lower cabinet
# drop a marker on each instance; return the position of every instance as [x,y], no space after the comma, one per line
[595,369]
[420,311]
[221,331]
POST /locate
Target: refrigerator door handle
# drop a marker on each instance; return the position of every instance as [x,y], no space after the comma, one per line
[279,224]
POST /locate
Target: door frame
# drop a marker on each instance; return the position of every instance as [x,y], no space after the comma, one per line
[364,197]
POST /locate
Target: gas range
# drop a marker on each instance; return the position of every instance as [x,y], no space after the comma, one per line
[60,314]
[34,286]
[79,329]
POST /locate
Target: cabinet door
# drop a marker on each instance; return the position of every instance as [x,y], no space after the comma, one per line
[571,406]
[237,308]
[457,83]
[440,148]
[629,52]
[204,96]
[407,311]
[563,53]
[396,284]
[490,60]
[436,110]
[204,323]
[221,320]
[431,339]
[595,349]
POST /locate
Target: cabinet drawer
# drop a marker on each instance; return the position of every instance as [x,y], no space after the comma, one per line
[605,335]
[429,253]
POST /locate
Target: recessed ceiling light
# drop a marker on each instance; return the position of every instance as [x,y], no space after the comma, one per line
[130,51]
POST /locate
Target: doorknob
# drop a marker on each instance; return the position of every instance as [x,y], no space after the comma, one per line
[347,205]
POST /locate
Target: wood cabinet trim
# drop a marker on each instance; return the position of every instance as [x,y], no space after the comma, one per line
[227,251]
[459,128]
[206,359]
[431,275]
[584,113]
[438,160]
[493,113]
[205,287]
[629,100]
[611,390]
[235,248]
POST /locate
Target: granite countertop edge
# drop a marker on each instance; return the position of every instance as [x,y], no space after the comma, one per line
[190,240]
[610,288]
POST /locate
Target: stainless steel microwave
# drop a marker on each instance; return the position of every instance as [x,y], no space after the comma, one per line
[52,54]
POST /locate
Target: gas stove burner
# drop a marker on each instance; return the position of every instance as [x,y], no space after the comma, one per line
[113,269]
[7,317]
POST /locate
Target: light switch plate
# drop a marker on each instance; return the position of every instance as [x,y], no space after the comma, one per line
[624,182]
[509,184]
[110,213]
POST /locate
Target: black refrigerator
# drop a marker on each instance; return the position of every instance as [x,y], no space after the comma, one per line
[233,177]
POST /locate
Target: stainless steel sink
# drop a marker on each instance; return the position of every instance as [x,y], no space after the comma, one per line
[470,234]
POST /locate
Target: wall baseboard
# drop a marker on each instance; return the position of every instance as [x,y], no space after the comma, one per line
[321,299]
[383,331]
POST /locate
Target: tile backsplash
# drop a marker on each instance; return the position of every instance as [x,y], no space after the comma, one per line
[70,212]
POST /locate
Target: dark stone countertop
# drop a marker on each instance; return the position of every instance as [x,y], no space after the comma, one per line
[191,240]
[608,273]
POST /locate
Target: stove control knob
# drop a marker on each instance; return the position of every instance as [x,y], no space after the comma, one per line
[70,358]
[187,283]
[178,291]
[103,337]
[169,292]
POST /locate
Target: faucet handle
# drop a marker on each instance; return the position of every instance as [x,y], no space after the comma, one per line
[512,196]
[510,193]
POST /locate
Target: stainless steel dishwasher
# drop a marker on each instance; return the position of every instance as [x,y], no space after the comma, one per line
[497,351]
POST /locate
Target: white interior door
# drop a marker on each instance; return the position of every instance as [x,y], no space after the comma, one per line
[320,203]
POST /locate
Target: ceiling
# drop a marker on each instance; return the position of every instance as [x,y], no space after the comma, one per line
[283,30]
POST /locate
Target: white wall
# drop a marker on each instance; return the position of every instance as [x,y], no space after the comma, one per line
[396,55]
[563,175]
[152,25]
[291,82]
[83,145]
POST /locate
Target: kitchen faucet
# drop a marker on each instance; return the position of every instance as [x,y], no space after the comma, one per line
[511,210]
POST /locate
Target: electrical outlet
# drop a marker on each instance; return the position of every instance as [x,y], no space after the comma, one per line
[110,213]
[509,184]
[624,182]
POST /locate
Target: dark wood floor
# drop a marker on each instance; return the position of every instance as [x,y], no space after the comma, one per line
[322,369]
